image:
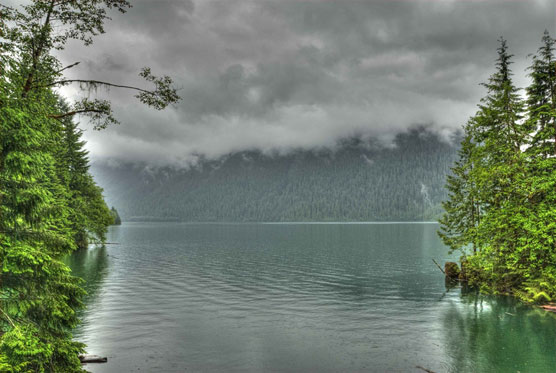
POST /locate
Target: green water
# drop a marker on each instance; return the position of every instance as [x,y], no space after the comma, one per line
[296,298]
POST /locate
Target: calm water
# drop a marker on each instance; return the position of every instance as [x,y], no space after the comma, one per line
[296,297]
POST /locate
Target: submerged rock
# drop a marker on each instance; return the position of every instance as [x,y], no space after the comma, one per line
[451,270]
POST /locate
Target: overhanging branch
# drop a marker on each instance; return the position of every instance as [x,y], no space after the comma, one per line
[75,112]
[93,83]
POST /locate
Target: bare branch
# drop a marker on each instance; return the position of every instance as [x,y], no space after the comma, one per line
[92,83]
[74,112]
[37,52]
[68,67]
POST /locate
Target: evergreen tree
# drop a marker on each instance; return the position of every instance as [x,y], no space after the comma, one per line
[499,134]
[41,185]
[462,210]
[89,215]
[497,126]
[540,186]
[541,100]
[514,240]
[38,295]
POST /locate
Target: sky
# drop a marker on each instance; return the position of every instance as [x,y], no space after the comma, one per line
[277,75]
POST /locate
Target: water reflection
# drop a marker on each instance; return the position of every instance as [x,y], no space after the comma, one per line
[92,266]
[296,297]
[497,334]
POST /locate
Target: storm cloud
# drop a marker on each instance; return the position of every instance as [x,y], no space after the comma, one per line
[277,75]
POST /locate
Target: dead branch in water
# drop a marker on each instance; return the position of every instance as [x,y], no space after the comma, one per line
[425,369]
[439,267]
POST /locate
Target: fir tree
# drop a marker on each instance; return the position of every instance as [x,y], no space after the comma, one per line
[48,202]
[541,100]
[499,135]
[462,210]
[514,241]
[540,187]
[89,215]
[38,294]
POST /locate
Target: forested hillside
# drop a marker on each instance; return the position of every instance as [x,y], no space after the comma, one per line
[358,181]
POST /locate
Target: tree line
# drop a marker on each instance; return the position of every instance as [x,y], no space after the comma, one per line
[49,203]
[357,181]
[501,211]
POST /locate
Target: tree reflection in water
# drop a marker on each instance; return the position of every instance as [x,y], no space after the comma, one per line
[498,334]
[92,266]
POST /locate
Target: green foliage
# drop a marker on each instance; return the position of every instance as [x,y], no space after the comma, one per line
[89,216]
[541,100]
[38,296]
[503,189]
[32,32]
[462,207]
[49,203]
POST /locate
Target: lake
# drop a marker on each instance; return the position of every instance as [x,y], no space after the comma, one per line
[296,297]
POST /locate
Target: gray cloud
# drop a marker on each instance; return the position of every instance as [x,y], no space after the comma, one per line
[281,74]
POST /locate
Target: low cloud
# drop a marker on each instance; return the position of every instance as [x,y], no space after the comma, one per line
[278,75]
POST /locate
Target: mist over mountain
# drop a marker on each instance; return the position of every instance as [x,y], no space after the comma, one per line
[359,180]
[277,74]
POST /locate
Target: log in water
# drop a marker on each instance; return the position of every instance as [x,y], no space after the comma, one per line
[336,297]
[550,307]
[85,359]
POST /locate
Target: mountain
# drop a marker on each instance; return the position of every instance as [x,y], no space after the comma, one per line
[359,180]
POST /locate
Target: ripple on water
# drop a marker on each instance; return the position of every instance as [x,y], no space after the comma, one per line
[175,297]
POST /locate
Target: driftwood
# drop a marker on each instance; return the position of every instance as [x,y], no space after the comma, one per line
[424,369]
[550,307]
[439,267]
[92,359]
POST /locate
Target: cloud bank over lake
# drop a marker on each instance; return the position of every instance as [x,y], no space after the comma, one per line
[276,75]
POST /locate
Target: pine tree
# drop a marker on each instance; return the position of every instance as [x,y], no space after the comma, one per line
[39,180]
[459,222]
[540,245]
[515,189]
[90,216]
[499,134]
[498,124]
[541,100]
[38,294]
